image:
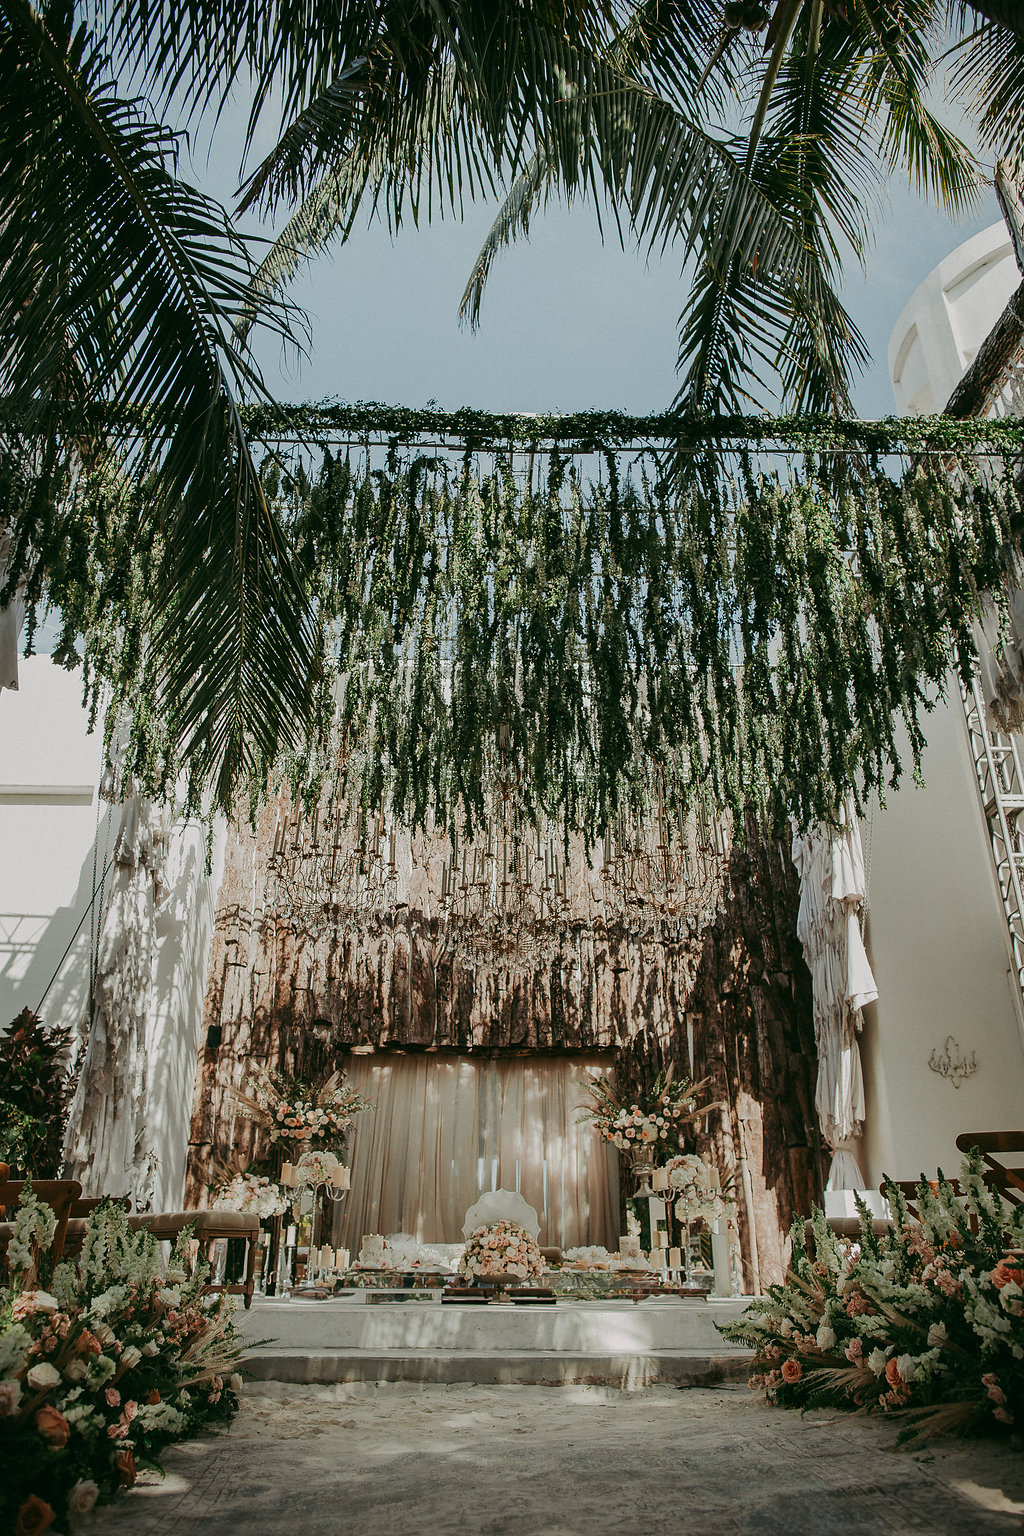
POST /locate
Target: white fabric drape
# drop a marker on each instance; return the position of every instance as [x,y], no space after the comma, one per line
[830,862]
[448,1127]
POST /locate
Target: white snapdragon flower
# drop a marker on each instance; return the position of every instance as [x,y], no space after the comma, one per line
[10,1397]
[15,1343]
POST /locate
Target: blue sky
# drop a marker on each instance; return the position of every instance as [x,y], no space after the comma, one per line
[569,322]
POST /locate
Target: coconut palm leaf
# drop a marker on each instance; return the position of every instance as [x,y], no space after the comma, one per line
[120,277]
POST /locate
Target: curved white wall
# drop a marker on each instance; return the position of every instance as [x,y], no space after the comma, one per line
[938,334]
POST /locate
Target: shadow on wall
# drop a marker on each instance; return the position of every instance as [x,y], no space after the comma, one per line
[33,973]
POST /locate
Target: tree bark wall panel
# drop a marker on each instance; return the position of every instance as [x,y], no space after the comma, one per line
[301,1004]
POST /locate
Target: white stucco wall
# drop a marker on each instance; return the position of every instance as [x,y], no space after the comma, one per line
[937,935]
[50,845]
[948,317]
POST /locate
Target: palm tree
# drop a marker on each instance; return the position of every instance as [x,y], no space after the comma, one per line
[123,287]
[817,101]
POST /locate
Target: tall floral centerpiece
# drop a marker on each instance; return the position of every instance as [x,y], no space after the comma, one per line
[300,1114]
[650,1124]
[311,1120]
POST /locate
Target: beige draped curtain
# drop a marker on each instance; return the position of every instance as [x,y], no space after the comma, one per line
[447,1128]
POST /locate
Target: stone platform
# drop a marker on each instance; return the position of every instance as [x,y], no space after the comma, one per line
[666,1341]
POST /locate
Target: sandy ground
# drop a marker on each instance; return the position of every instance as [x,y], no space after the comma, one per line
[564,1461]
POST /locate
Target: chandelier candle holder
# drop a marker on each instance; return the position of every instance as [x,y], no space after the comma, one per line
[318,1177]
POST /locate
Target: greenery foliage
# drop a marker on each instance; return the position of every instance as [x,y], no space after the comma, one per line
[99,1373]
[35,1091]
[926,1321]
[726,633]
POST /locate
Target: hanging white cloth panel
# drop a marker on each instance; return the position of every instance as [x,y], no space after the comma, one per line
[446,1128]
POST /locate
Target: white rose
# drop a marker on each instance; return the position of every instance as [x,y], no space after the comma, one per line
[877,1361]
[826,1337]
[43,1376]
[235,1382]
[130,1357]
[907,1366]
[82,1497]
[150,1348]
[937,1335]
[76,1369]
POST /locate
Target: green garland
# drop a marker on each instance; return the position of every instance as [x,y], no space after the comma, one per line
[726,636]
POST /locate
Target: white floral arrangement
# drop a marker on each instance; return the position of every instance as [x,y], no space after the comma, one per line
[592,1257]
[315,1168]
[253,1194]
[697,1199]
[502,1249]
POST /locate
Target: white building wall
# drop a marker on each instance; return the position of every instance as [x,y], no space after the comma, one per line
[55,840]
[936,927]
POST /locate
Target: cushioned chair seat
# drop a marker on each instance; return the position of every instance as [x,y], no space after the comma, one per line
[165,1224]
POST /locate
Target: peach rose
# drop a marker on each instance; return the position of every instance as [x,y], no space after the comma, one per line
[1006,1274]
[88,1344]
[52,1425]
[892,1373]
[792,1370]
[35,1515]
[125,1465]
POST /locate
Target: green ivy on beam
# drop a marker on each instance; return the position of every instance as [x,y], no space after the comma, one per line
[593,430]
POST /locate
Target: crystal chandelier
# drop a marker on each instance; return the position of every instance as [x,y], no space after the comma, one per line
[509,896]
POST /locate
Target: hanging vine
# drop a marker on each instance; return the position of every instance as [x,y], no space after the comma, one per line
[734,635]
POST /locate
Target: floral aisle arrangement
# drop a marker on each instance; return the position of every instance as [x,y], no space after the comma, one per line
[926,1321]
[697,1198]
[102,1370]
[660,1117]
[500,1250]
[252,1194]
[294,1111]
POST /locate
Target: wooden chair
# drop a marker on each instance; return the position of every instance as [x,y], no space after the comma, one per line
[1008,1178]
[58,1194]
[210,1226]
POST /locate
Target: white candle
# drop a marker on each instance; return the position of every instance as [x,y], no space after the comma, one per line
[661,1239]
[659,1178]
[342,1178]
[659,1258]
[675,1258]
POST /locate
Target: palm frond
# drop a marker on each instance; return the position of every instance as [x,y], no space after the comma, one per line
[109,259]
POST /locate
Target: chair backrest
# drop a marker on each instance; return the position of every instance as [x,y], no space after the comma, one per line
[1008,1174]
[89,1203]
[501,1205]
[58,1194]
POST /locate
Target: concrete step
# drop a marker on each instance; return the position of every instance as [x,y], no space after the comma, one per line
[555,1368]
[605,1327]
[617,1344]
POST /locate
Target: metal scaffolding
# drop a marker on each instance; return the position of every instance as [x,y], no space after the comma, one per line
[997,763]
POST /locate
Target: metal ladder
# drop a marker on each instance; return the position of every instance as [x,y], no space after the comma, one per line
[997,763]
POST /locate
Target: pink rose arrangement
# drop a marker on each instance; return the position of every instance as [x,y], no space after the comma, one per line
[502,1249]
[294,1111]
[660,1117]
[116,1359]
[927,1319]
